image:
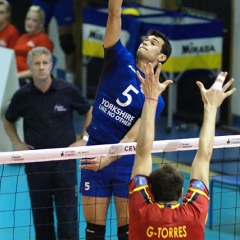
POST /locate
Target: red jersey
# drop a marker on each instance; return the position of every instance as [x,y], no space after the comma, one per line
[8,36]
[25,43]
[150,220]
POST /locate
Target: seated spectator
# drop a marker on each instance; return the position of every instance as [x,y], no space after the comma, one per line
[8,32]
[19,12]
[63,11]
[34,37]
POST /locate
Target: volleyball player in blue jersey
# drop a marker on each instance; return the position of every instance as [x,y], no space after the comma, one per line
[116,118]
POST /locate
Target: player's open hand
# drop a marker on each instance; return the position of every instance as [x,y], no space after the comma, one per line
[218,92]
[150,84]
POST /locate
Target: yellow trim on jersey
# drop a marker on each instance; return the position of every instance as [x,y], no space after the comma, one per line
[136,189]
[199,191]
[143,187]
[173,206]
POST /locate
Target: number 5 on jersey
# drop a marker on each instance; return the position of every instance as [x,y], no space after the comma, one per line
[87,186]
[127,95]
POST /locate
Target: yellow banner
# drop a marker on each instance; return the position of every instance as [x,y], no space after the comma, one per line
[92,49]
[183,63]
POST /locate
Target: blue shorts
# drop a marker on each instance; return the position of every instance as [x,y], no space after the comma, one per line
[111,180]
[62,10]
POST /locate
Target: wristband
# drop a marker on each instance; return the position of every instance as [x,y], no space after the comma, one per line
[85,138]
[149,98]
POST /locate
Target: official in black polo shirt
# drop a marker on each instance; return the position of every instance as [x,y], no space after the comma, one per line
[47,106]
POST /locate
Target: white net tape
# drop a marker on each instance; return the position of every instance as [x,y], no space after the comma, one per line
[54,154]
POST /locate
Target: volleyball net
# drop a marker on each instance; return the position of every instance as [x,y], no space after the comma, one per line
[228,141]
[16,221]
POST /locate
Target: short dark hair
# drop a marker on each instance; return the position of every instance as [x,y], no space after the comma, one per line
[166,47]
[166,183]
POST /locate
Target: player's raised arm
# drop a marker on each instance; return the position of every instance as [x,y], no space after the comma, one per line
[212,99]
[152,88]
[114,23]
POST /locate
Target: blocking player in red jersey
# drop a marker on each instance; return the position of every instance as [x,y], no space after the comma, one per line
[154,208]
[8,32]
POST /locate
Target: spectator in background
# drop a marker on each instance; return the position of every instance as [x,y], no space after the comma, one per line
[34,37]
[8,32]
[19,12]
[46,106]
[63,11]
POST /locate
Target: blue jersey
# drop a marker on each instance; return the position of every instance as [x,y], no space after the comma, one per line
[119,100]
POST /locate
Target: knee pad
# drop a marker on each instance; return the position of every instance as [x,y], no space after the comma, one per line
[67,43]
[94,231]
[123,232]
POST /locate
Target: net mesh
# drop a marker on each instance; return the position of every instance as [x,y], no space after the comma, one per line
[16,221]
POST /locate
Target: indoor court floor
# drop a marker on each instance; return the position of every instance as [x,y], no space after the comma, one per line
[15,204]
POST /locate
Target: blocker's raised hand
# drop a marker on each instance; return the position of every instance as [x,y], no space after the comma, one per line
[150,84]
[217,93]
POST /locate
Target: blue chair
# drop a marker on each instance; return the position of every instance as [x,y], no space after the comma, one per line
[226,181]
